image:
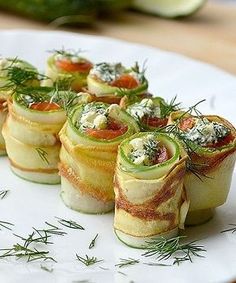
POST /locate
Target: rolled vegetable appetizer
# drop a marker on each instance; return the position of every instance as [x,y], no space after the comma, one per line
[31,133]
[67,69]
[150,200]
[151,113]
[211,145]
[13,72]
[90,139]
[109,82]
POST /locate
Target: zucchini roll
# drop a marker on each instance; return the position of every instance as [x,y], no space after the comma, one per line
[109,82]
[31,134]
[211,145]
[67,69]
[150,200]
[13,72]
[90,139]
[151,113]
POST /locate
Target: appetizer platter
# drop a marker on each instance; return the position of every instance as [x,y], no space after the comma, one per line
[117,163]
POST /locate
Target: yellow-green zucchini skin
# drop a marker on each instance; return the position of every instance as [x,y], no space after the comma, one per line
[210,187]
[150,201]
[87,164]
[32,141]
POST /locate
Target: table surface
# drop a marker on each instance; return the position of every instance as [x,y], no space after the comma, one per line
[209,35]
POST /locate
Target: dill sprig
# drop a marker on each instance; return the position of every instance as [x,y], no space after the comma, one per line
[50,230]
[232,230]
[140,71]
[164,249]
[20,76]
[30,254]
[166,108]
[127,262]
[4,193]
[92,243]
[6,225]
[42,154]
[68,53]
[34,237]
[70,224]
[88,260]
[156,264]
[65,98]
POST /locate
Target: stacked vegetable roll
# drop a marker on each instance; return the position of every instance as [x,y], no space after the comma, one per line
[31,134]
[67,69]
[90,139]
[109,82]
[13,72]
[211,145]
[150,200]
[151,113]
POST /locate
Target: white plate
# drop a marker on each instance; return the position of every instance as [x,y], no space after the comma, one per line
[31,204]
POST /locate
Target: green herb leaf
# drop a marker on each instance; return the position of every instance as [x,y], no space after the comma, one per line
[164,249]
[127,262]
[70,224]
[88,260]
[92,244]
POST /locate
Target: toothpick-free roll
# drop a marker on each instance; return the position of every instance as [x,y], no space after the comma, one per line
[150,200]
[90,140]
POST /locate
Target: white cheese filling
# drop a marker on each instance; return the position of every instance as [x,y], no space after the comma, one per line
[69,57]
[109,72]
[145,107]
[206,132]
[144,150]
[94,117]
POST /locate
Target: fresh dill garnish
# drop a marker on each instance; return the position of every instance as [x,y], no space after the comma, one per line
[30,254]
[232,230]
[166,108]
[4,193]
[34,237]
[20,76]
[6,225]
[42,154]
[156,264]
[140,71]
[45,268]
[92,244]
[196,169]
[127,262]
[50,230]
[65,98]
[165,249]
[68,53]
[88,260]
[70,224]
